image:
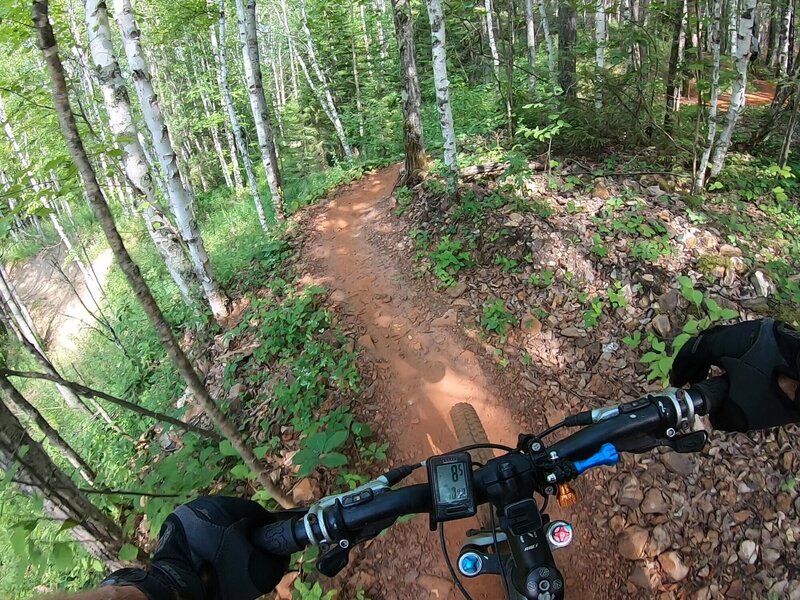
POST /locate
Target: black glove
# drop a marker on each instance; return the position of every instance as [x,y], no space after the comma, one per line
[753,354]
[204,553]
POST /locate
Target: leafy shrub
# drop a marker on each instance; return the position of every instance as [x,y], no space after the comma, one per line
[448,258]
[496,317]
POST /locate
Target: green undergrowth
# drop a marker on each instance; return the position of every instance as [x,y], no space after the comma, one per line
[295,392]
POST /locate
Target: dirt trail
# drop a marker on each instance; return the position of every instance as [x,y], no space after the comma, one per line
[423,369]
[59,314]
[762,96]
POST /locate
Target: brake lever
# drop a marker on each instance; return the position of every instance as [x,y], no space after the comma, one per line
[686,443]
[337,556]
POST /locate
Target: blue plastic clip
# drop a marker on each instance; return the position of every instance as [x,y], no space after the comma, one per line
[606,455]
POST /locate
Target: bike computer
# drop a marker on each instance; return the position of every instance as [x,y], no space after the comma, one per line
[450,479]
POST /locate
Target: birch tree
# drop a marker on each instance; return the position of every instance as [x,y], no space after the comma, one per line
[700,175]
[673,93]
[442,85]
[600,51]
[227,100]
[18,404]
[413,138]
[548,40]
[69,128]
[246,15]
[738,94]
[325,91]
[38,475]
[120,121]
[487,6]
[180,198]
[530,40]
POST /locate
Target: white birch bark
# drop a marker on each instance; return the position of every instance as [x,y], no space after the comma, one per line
[548,40]
[487,6]
[292,52]
[258,104]
[600,51]
[120,122]
[738,93]
[229,137]
[367,43]
[380,8]
[442,84]
[733,26]
[785,36]
[180,198]
[332,112]
[700,176]
[227,100]
[530,30]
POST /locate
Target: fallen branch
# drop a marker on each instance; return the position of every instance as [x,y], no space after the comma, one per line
[495,168]
[87,392]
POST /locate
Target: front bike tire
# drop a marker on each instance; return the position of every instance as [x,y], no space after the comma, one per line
[469,431]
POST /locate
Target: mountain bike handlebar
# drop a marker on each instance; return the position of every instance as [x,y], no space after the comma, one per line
[508,481]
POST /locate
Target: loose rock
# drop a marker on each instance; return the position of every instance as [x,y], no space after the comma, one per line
[448,319]
[632,542]
[748,551]
[653,503]
[573,332]
[673,566]
[662,325]
[457,290]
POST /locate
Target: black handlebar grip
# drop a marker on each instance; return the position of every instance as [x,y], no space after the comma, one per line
[277,538]
[714,391]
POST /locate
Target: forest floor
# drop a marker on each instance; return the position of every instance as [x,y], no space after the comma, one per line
[719,524]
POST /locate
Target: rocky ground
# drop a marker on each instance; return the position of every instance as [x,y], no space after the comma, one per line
[720,524]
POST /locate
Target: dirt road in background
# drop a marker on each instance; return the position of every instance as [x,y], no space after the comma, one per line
[423,366]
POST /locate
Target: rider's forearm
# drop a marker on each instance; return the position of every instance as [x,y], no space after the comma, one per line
[109,593]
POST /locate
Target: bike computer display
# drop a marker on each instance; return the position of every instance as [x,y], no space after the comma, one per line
[450,478]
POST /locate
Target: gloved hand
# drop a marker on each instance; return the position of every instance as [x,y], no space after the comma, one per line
[761,359]
[204,553]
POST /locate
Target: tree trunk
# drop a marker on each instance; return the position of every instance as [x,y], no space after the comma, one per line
[90,393]
[567,38]
[442,84]
[600,51]
[790,130]
[69,128]
[120,120]
[530,31]
[673,87]
[332,111]
[38,475]
[15,400]
[487,6]
[180,198]
[548,40]
[413,139]
[258,104]
[700,176]
[227,100]
[365,35]
[738,93]
[785,40]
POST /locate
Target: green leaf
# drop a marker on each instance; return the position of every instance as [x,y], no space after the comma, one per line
[260,452]
[227,449]
[333,460]
[650,357]
[128,552]
[337,439]
[240,472]
[62,556]
[659,346]
[729,313]
[19,541]
[67,525]
[712,305]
